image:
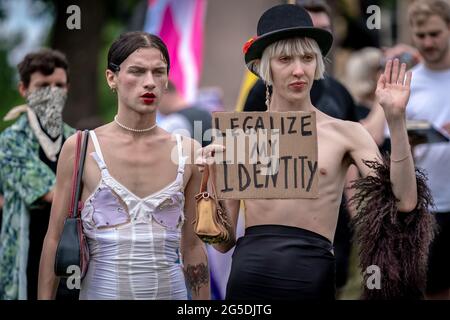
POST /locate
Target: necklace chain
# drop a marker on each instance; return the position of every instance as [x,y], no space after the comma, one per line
[132,129]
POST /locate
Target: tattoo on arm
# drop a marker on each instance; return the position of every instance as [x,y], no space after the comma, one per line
[196,276]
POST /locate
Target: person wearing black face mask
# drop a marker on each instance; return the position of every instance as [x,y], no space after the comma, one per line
[29,151]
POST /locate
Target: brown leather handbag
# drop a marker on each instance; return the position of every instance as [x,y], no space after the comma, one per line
[211,222]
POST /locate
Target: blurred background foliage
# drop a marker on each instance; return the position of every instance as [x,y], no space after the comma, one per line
[86,50]
[102,20]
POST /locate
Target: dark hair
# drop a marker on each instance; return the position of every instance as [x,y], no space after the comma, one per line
[420,11]
[129,42]
[316,6]
[44,61]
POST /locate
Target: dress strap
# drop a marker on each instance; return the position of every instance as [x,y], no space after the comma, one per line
[181,158]
[97,155]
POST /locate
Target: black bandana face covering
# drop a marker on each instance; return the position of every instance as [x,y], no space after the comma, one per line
[48,103]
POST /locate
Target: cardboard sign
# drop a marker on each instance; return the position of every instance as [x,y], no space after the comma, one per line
[269,155]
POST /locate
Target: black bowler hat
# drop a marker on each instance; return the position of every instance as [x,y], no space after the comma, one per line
[282,22]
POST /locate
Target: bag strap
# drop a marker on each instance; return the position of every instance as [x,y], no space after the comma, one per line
[213,180]
[74,174]
[204,183]
[80,157]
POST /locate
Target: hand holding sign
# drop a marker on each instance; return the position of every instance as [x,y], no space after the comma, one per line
[206,156]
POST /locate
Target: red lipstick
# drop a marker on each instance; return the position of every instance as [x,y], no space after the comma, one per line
[148,97]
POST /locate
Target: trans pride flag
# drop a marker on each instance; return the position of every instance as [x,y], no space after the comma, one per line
[180,23]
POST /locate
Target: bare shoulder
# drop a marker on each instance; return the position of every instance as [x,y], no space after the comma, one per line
[355,129]
[105,130]
[67,156]
[359,142]
[352,131]
[357,135]
[351,136]
[190,147]
[69,147]
[189,142]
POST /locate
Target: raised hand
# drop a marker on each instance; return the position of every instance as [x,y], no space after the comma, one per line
[393,89]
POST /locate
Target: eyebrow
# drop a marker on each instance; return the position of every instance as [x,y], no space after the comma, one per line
[40,83]
[137,67]
[43,81]
[159,68]
[429,32]
[162,66]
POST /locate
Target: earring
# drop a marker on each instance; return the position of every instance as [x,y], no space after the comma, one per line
[267,97]
[113,89]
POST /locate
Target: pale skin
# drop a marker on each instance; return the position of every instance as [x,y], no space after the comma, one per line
[340,144]
[39,80]
[139,161]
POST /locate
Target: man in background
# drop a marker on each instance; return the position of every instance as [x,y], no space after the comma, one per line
[430,27]
[29,151]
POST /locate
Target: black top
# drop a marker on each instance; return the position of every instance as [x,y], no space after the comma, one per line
[197,116]
[39,219]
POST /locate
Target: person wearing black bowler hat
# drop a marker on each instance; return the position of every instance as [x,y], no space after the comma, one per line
[332,98]
[286,252]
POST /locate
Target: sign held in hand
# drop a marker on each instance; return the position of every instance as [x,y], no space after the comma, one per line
[269,155]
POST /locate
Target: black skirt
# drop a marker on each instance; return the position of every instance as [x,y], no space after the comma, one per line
[282,262]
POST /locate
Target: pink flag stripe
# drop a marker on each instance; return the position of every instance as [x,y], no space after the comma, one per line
[197,34]
[180,26]
[170,35]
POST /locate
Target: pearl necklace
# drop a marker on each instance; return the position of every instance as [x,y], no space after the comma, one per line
[132,129]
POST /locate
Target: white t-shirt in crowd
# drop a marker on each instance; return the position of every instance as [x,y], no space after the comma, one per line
[430,100]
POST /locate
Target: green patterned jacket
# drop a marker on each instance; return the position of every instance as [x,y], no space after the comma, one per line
[24,178]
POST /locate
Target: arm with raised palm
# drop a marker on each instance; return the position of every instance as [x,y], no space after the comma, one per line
[393,90]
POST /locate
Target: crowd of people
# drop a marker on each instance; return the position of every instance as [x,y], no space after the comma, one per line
[378,188]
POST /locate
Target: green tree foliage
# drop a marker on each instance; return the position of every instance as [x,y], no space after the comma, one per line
[90,100]
[8,87]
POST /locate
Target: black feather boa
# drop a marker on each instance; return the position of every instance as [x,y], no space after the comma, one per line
[396,242]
